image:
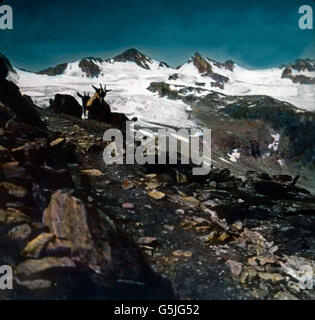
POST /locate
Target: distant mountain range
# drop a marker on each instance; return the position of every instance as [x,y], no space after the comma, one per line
[261,119]
[92,67]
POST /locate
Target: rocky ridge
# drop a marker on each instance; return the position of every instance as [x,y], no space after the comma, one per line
[258,127]
[300,65]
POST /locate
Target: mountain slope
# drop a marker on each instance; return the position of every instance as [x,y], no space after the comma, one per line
[222,96]
[133,55]
[199,72]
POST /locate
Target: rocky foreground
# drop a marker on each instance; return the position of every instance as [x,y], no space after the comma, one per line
[73,228]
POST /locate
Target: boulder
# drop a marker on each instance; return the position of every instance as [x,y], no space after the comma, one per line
[33,267]
[66,217]
[35,247]
[64,103]
[12,216]
[95,243]
[20,233]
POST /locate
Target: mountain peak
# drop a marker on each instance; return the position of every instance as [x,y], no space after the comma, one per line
[135,56]
[201,64]
[197,55]
[132,52]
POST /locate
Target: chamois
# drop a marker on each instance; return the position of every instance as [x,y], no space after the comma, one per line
[97,107]
[85,98]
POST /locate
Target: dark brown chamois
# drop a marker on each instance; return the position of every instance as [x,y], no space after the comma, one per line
[85,98]
[97,107]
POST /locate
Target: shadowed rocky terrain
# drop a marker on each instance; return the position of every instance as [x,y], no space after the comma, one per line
[74,228]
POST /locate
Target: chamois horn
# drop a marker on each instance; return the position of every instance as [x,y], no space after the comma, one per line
[107,90]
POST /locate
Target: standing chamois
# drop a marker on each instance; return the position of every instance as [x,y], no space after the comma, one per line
[85,98]
[98,109]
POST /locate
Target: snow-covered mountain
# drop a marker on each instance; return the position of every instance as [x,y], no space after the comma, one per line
[265,115]
[131,73]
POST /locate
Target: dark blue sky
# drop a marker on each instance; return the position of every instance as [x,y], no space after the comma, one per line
[255,33]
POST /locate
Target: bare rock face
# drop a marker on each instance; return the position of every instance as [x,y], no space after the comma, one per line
[228,64]
[67,104]
[219,78]
[205,68]
[135,56]
[7,63]
[3,69]
[54,71]
[201,64]
[163,64]
[89,67]
[300,65]
[13,103]
[304,65]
